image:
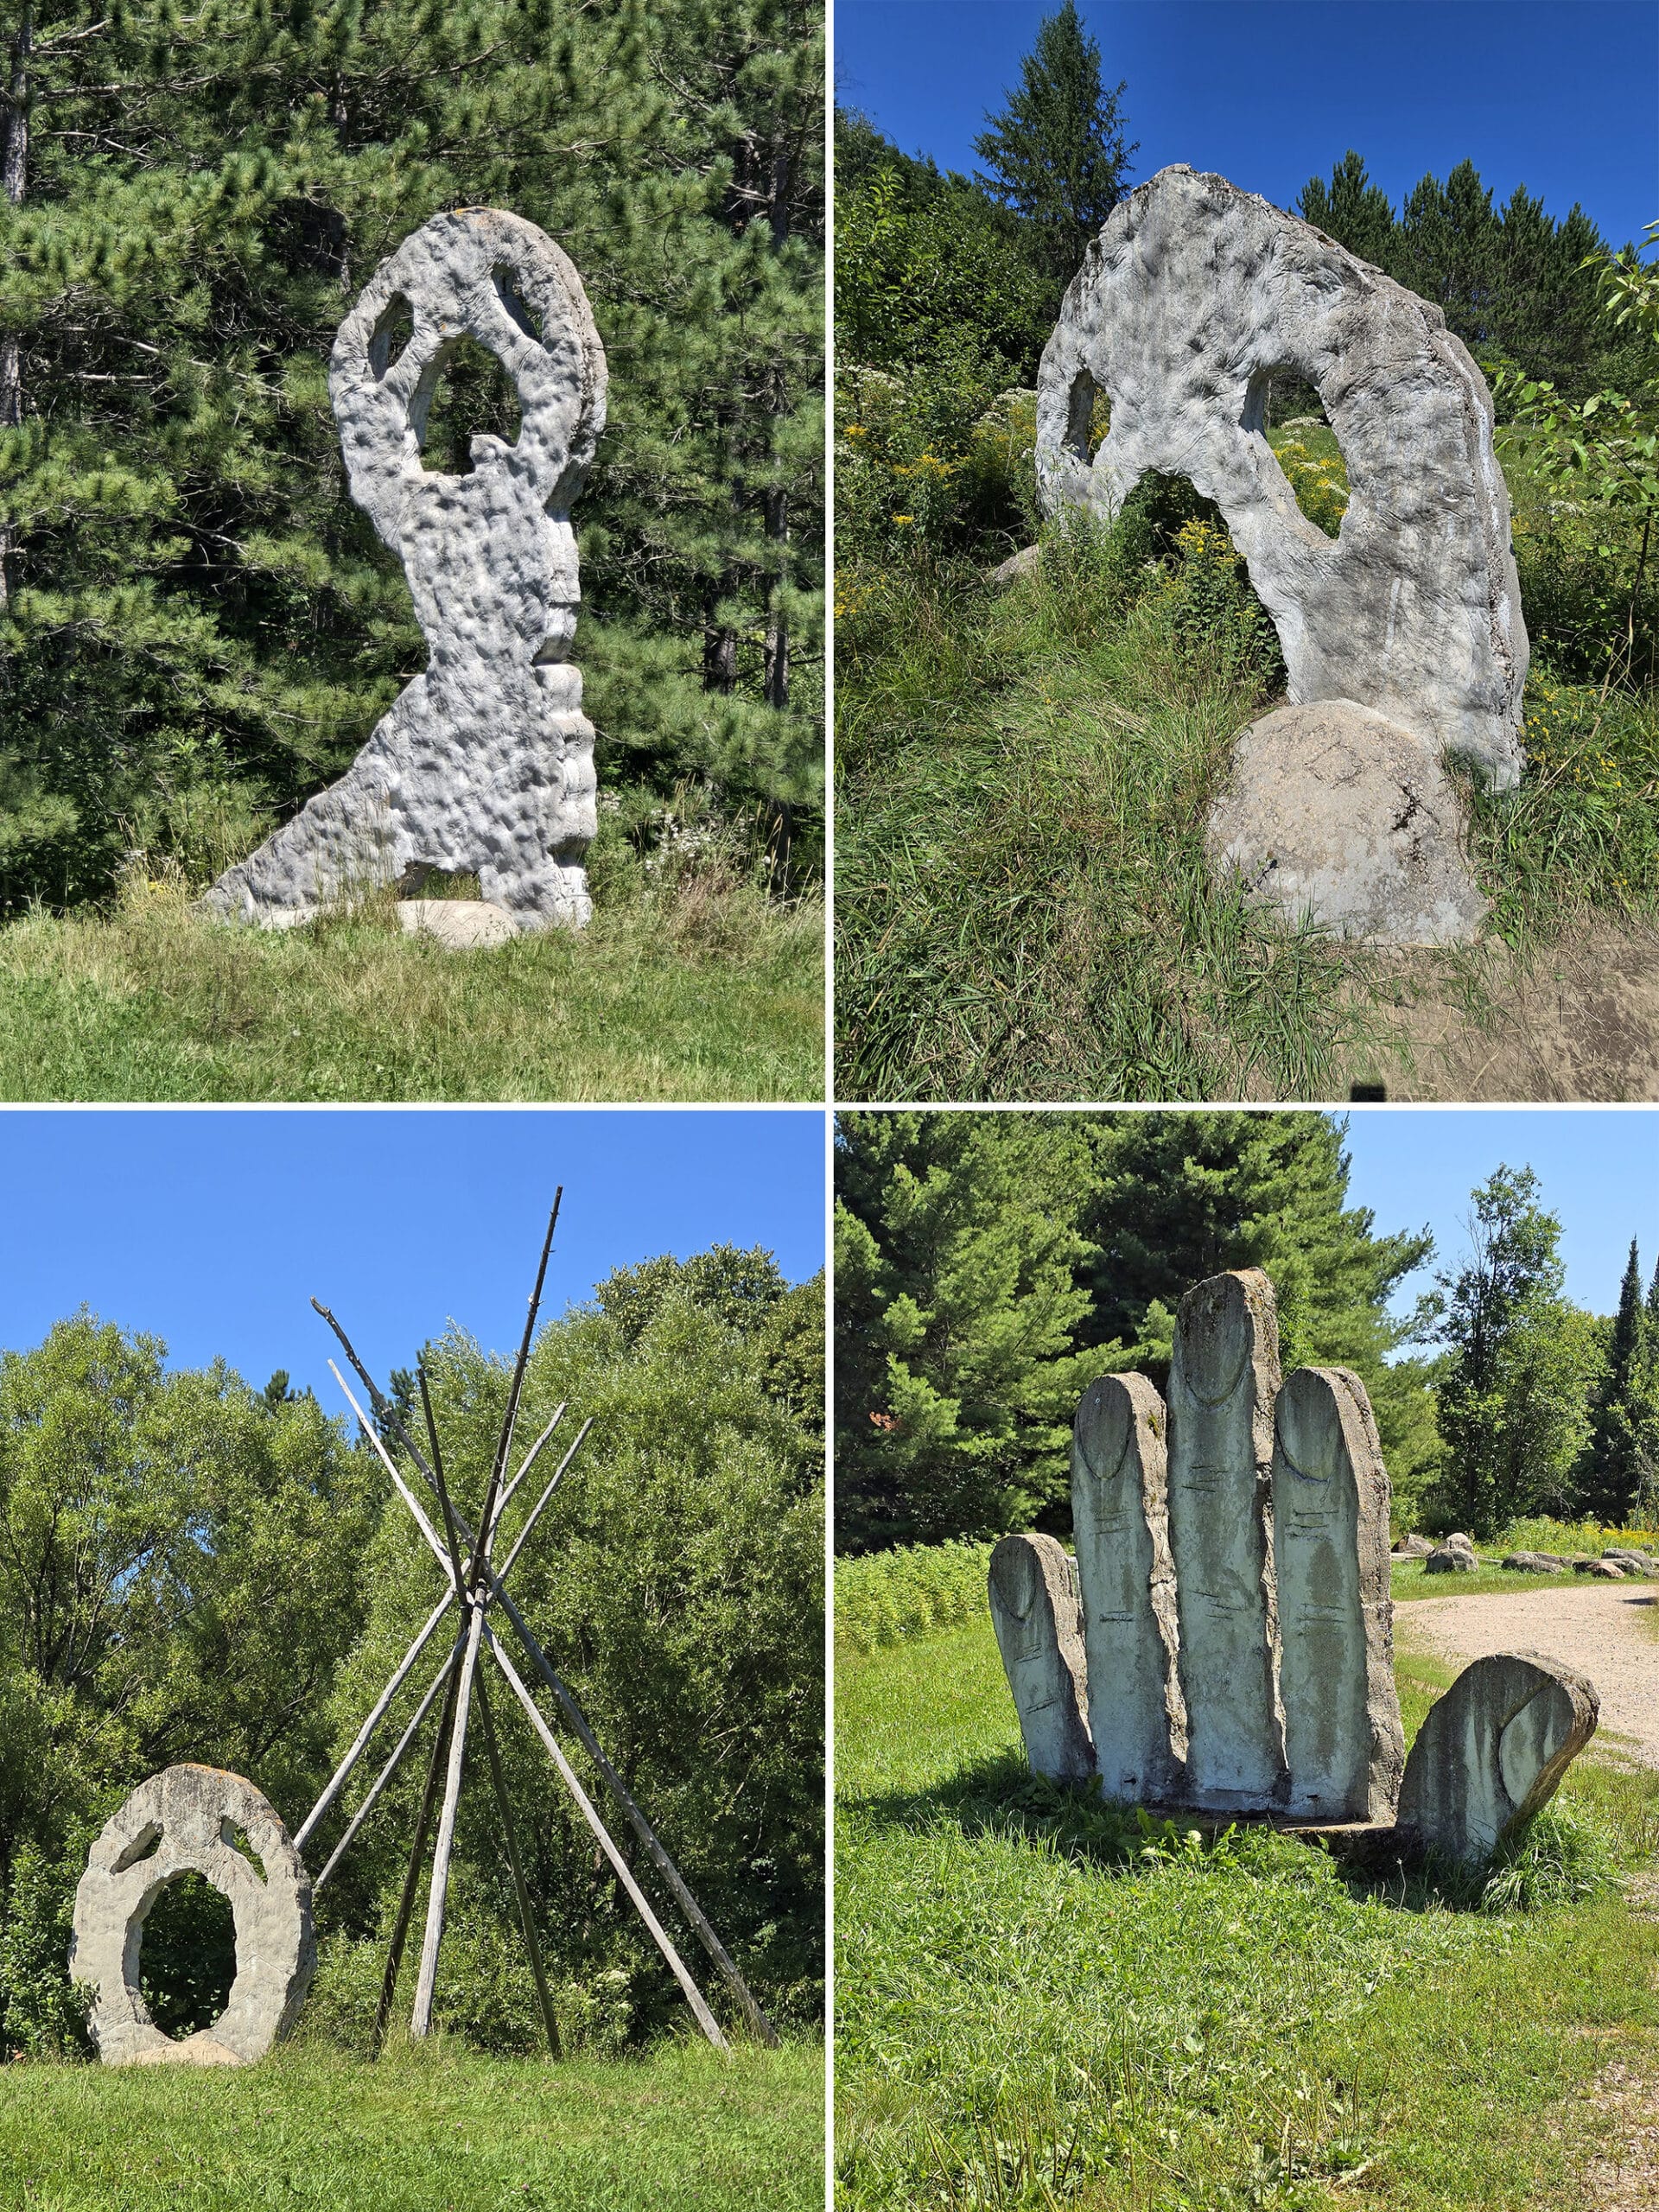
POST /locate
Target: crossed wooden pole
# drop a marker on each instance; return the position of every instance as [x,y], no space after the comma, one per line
[474,1586]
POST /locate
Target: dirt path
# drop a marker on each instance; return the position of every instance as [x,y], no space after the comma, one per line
[1606,1629]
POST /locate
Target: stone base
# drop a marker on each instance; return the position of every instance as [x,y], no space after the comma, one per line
[1333,810]
[458,923]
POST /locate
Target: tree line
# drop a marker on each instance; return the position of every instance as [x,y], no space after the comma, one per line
[198,628]
[988,1267]
[192,1568]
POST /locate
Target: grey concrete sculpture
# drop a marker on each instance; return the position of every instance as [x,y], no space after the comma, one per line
[1034,1609]
[1193,295]
[1491,1752]
[1223,1381]
[1343,1744]
[483,764]
[1127,1584]
[182,1822]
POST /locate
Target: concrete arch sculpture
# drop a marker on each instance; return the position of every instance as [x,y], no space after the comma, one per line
[1193,294]
[484,763]
[178,1822]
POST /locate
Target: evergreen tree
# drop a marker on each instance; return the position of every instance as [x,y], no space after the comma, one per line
[1179,1196]
[199,628]
[1513,1403]
[956,1312]
[1056,152]
[1352,210]
[1620,1451]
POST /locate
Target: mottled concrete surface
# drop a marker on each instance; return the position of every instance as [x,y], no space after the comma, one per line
[1190,300]
[483,764]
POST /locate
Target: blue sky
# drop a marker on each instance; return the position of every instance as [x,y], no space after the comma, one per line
[1600,1169]
[213,1229]
[1562,97]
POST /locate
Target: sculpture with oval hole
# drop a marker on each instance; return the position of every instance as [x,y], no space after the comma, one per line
[1236,1644]
[1192,298]
[483,764]
[180,1822]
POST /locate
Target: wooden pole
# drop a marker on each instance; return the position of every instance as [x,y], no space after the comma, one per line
[509,1419]
[369,1727]
[412,1879]
[391,1764]
[421,2018]
[526,1918]
[535,1513]
[694,1997]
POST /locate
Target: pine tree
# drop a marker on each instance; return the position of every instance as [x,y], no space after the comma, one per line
[956,1306]
[1352,210]
[1056,153]
[1619,1452]
[201,628]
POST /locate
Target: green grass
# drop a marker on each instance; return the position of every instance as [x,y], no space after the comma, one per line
[427,2131]
[1039,2006]
[1024,909]
[696,993]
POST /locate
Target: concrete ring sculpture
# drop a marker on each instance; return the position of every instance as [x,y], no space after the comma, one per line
[180,1822]
[1190,298]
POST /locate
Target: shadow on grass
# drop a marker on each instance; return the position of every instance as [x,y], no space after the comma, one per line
[1559,1857]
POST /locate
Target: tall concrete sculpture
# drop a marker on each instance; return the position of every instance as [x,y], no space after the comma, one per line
[1120,1512]
[1223,1381]
[182,1822]
[1238,1644]
[1191,298]
[483,764]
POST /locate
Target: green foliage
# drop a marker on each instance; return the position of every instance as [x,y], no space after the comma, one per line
[988,1267]
[677,1585]
[1056,152]
[913,1590]
[43,2013]
[1513,1401]
[199,628]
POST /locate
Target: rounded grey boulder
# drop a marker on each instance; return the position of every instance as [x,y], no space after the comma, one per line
[183,1821]
[1335,812]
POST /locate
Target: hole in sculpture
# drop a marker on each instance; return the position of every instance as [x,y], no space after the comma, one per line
[1088,417]
[144,1844]
[188,1959]
[238,1840]
[1289,413]
[505,280]
[391,333]
[474,398]
[420,881]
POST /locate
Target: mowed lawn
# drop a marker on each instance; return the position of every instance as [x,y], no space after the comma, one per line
[427,2131]
[1029,2016]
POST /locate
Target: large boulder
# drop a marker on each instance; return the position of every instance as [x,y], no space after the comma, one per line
[1334,812]
[1194,295]
[1413,1546]
[1493,1751]
[1450,1557]
[1535,1563]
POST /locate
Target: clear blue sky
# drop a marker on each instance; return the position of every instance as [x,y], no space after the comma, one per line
[1562,97]
[1600,1169]
[214,1228]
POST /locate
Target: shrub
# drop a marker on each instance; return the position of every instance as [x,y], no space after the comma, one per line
[915,1590]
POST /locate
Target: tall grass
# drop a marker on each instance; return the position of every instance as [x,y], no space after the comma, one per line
[692,986]
[913,1590]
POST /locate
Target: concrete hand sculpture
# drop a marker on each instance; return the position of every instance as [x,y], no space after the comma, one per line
[485,762]
[1226,1642]
[182,1822]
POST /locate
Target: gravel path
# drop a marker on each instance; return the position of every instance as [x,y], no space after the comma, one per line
[1606,1631]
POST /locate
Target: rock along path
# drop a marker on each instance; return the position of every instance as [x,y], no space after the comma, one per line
[1606,1629]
